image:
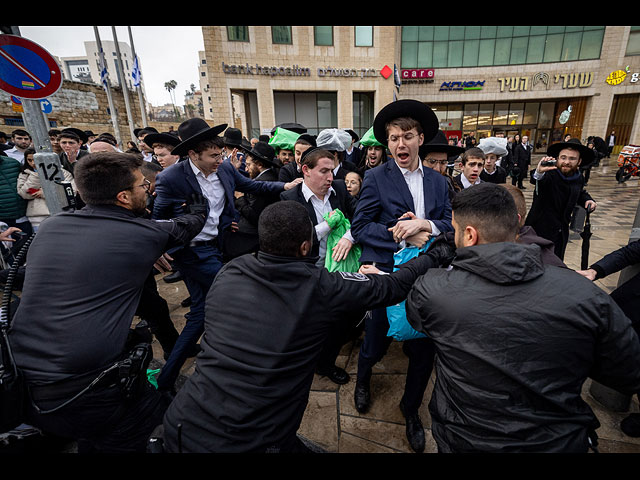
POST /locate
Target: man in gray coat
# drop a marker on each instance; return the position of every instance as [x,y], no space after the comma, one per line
[513,351]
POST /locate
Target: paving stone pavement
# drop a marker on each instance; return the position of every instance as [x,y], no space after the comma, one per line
[331,419]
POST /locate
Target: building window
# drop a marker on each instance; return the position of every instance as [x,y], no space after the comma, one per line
[323,36]
[475,46]
[238,34]
[363,36]
[281,35]
[363,112]
[315,110]
[633,44]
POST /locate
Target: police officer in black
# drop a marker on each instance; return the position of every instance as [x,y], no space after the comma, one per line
[84,279]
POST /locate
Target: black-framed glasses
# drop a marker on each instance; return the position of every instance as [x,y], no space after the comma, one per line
[433,161]
[146,185]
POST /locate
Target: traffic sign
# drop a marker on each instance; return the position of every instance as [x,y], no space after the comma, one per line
[26,69]
[45,105]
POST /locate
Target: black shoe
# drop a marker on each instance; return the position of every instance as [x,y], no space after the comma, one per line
[415,430]
[173,277]
[335,374]
[186,302]
[362,397]
[631,425]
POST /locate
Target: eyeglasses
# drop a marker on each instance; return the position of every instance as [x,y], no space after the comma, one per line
[433,161]
[146,185]
[407,137]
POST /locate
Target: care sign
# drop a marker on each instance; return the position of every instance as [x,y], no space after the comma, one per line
[26,69]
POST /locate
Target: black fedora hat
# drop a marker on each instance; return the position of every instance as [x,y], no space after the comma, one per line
[294,127]
[264,152]
[232,137]
[406,108]
[136,131]
[84,138]
[165,138]
[439,143]
[194,131]
[586,154]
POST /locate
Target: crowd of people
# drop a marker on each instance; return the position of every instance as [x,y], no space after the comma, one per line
[288,246]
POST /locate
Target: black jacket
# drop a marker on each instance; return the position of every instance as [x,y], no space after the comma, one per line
[259,349]
[514,350]
[341,199]
[554,199]
[85,274]
[498,176]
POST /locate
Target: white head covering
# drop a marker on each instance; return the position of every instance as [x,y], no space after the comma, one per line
[495,145]
[334,139]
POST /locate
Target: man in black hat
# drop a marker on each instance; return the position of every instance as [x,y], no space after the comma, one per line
[559,188]
[204,173]
[71,142]
[233,147]
[437,154]
[401,203]
[162,144]
[261,166]
[140,133]
[352,153]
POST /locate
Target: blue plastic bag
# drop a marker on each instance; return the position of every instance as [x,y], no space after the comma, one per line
[399,326]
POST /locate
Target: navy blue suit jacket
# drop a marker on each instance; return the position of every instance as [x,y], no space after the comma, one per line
[177,183]
[384,198]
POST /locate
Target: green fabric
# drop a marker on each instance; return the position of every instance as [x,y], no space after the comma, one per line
[12,205]
[283,139]
[151,377]
[339,225]
[369,140]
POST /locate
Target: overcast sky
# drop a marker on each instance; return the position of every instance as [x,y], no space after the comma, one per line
[166,53]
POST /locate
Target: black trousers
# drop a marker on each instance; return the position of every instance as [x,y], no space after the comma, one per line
[102,421]
[155,311]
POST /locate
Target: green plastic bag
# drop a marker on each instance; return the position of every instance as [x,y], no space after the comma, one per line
[369,140]
[339,225]
[283,139]
[151,377]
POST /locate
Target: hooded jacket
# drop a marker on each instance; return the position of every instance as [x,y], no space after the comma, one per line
[514,348]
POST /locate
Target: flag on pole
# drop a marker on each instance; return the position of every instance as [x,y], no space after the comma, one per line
[396,77]
[104,75]
[135,73]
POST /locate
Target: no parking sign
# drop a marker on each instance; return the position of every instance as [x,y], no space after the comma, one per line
[26,69]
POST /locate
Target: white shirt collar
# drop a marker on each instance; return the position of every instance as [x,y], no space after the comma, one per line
[406,171]
[197,171]
[307,193]
[466,183]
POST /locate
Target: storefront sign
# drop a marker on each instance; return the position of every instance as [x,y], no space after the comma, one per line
[347,72]
[565,80]
[292,71]
[455,86]
[618,76]
[417,75]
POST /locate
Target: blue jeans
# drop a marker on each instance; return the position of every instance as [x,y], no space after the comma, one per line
[198,266]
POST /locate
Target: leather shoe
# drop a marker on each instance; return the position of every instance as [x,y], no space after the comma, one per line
[362,397]
[335,374]
[172,277]
[415,430]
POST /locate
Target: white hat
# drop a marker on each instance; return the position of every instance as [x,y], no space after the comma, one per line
[495,145]
[334,139]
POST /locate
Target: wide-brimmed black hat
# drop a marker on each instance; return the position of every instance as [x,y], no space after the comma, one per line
[586,154]
[294,127]
[233,137]
[353,134]
[439,143]
[406,108]
[194,131]
[80,133]
[136,131]
[264,152]
[165,138]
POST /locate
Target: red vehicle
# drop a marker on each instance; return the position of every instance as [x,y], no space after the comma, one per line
[628,162]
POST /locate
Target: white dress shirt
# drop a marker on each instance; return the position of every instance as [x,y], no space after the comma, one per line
[214,193]
[15,153]
[415,183]
[466,183]
[322,207]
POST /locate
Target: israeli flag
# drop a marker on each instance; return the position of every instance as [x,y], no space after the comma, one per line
[135,73]
[104,75]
